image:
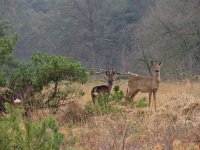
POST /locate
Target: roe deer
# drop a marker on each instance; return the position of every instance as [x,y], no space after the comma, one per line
[145,84]
[103,89]
[14,97]
[27,92]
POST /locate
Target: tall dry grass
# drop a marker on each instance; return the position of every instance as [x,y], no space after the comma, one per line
[176,124]
[177,119]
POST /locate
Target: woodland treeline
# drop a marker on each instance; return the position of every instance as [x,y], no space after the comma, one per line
[121,34]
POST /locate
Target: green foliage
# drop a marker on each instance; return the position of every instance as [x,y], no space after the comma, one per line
[102,106]
[55,68]
[102,100]
[74,140]
[23,73]
[142,102]
[6,42]
[17,133]
[44,68]
[116,88]
[118,94]
[2,79]
[6,48]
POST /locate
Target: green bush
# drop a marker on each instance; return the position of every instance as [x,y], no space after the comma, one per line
[118,94]
[102,102]
[116,88]
[18,133]
[43,69]
[142,102]
[102,106]
[2,79]
[7,42]
[23,73]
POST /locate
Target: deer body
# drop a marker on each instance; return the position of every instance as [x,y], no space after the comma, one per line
[145,84]
[103,89]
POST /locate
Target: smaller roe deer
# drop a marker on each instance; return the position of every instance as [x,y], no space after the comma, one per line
[103,89]
[145,84]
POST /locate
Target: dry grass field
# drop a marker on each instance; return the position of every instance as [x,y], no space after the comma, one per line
[175,124]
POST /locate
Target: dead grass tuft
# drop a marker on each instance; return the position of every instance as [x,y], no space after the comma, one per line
[191,108]
[73,113]
[179,145]
[158,147]
[163,127]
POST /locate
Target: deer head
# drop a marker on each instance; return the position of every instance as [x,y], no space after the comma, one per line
[103,89]
[110,75]
[157,66]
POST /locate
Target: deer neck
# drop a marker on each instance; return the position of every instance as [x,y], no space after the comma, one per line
[157,76]
[110,83]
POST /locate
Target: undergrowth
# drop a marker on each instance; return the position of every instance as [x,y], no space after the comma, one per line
[19,133]
[142,102]
[102,106]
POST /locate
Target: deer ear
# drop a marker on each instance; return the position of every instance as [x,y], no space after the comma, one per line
[107,73]
[160,64]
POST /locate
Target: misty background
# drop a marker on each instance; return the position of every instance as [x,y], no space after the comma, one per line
[109,33]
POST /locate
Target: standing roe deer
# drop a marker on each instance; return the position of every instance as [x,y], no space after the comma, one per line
[145,84]
[103,89]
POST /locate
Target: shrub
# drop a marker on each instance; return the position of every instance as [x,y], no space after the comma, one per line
[7,42]
[142,102]
[118,94]
[102,106]
[2,79]
[103,100]
[43,69]
[73,114]
[18,133]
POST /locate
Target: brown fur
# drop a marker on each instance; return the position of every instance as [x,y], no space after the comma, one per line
[103,89]
[145,84]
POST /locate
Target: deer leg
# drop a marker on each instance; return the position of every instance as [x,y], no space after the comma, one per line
[150,93]
[93,99]
[134,94]
[129,94]
[127,91]
[154,96]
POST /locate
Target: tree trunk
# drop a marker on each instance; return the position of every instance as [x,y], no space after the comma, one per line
[55,89]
